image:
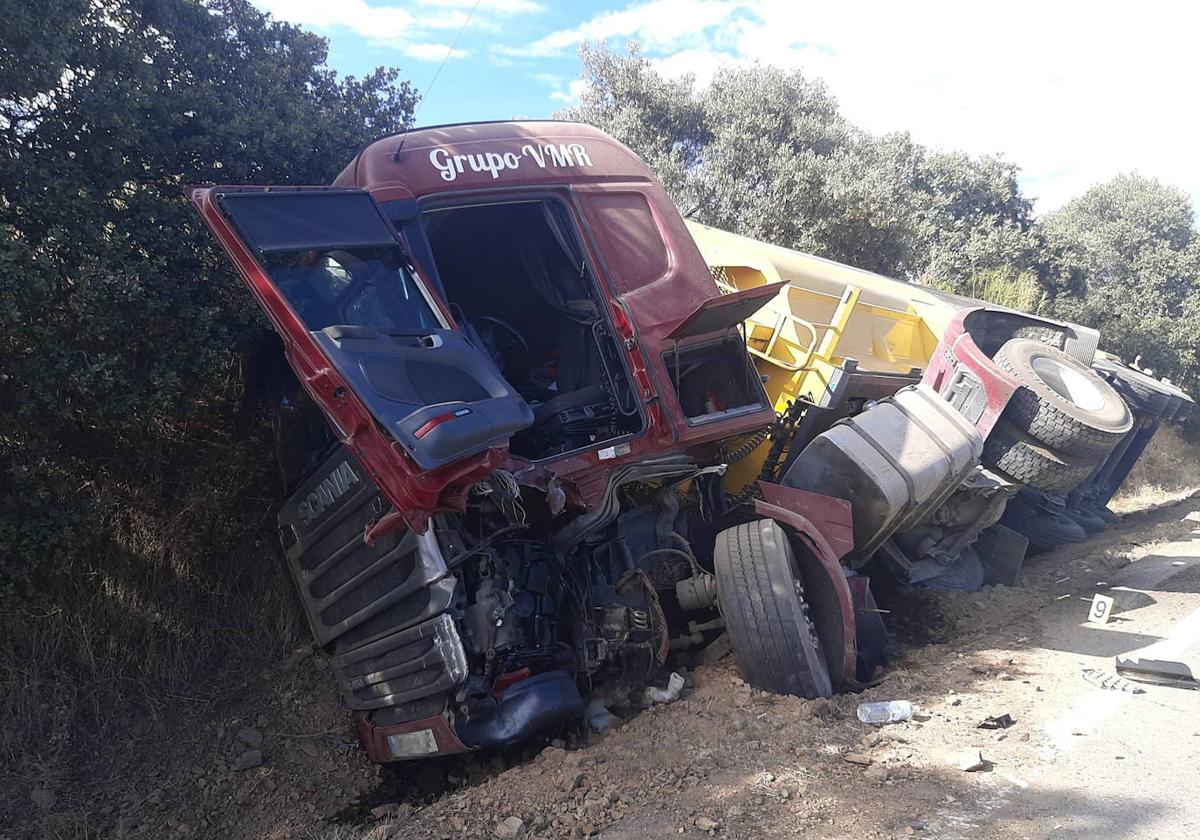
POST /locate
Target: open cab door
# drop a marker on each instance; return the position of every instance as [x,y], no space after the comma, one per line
[426,412]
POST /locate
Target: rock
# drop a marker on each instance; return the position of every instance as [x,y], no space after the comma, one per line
[570,780]
[250,736]
[860,759]
[876,773]
[43,797]
[248,759]
[821,707]
[705,824]
[872,739]
[385,810]
[972,762]
[297,656]
[509,827]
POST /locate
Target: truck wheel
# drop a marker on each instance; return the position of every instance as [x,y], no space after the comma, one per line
[1061,402]
[762,599]
[1045,532]
[1025,460]
[1136,388]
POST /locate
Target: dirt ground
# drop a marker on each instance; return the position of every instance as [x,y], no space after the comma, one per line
[725,760]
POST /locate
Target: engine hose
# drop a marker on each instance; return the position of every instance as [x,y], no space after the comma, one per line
[746,447]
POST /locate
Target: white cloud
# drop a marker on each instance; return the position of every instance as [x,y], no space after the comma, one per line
[658,24]
[1073,92]
[501,6]
[432,52]
[571,95]
[355,15]
[405,22]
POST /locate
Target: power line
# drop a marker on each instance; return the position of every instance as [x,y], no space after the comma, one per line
[445,58]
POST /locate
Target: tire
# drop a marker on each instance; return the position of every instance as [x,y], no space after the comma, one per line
[1136,388]
[1026,461]
[1085,519]
[1062,403]
[1046,532]
[1044,529]
[761,597]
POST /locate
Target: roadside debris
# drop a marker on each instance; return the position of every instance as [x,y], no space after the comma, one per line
[1110,682]
[1003,721]
[510,827]
[886,711]
[1156,671]
[653,694]
[973,762]
[599,718]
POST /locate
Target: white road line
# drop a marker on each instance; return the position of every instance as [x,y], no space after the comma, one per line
[1096,706]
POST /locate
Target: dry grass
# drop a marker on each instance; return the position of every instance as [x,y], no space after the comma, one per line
[181,592]
[1169,470]
[1003,286]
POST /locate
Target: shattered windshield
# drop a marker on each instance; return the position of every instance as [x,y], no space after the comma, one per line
[372,288]
[333,256]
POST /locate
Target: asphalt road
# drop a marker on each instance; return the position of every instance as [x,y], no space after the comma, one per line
[1111,764]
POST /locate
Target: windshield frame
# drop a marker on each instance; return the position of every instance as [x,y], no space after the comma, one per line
[385,238]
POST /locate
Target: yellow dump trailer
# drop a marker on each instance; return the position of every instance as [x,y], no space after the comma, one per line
[827,313]
[829,318]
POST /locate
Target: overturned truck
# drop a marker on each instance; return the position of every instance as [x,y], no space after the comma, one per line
[528,453]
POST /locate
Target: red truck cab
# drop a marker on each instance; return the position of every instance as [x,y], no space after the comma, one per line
[513,374]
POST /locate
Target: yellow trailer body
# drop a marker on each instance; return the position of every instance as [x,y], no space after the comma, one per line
[827,314]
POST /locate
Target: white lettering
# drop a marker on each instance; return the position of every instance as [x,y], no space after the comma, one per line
[581,155]
[440,158]
[535,153]
[544,155]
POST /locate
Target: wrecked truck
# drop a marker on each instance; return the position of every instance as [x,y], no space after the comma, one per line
[1056,452]
[506,392]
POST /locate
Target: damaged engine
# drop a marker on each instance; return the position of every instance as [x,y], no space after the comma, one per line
[503,619]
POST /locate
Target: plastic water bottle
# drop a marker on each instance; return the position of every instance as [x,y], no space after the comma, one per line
[887,711]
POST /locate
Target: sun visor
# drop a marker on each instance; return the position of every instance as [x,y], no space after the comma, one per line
[304,220]
[720,313]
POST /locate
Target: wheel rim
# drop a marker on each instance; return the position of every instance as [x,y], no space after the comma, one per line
[1072,385]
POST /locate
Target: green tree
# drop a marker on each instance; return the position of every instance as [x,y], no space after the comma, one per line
[119,325]
[766,152]
[1125,258]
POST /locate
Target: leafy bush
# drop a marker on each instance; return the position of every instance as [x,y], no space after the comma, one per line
[119,325]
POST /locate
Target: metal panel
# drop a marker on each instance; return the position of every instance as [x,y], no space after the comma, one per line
[379,608]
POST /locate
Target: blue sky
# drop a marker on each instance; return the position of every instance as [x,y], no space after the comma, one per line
[1072,92]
